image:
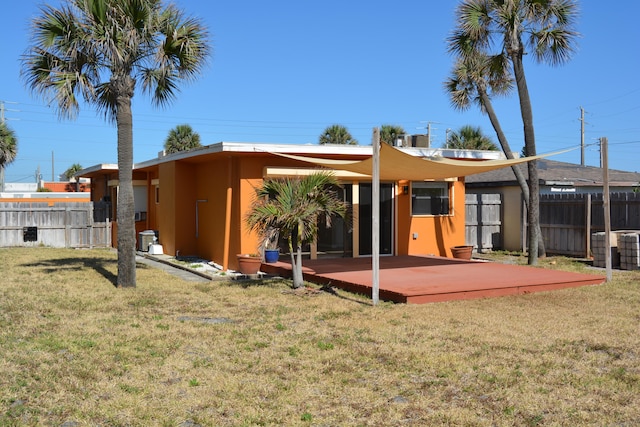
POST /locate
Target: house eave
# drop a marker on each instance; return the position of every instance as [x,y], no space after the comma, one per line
[96,169]
[306,149]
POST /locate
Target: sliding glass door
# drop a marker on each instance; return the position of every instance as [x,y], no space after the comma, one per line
[386,219]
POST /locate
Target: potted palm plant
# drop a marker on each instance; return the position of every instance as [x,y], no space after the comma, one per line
[294,206]
[270,245]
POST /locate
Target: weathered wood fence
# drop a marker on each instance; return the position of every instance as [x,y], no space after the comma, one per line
[63,225]
[483,221]
[568,220]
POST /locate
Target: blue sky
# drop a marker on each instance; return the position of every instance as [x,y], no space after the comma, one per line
[282,71]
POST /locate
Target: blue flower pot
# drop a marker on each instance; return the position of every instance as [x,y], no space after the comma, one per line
[271,255]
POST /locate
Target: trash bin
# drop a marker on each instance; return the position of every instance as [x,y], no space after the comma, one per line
[145,238]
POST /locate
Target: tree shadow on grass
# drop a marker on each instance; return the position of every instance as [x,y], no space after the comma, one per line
[285,285]
[270,282]
[101,266]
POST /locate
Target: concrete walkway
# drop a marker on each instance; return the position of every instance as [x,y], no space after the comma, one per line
[183,273]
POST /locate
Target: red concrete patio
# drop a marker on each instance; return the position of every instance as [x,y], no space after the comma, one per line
[424,279]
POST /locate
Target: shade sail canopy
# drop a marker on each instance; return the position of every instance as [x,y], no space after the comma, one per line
[396,165]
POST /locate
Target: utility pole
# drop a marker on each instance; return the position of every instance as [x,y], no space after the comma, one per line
[604,155]
[375,218]
[581,136]
[1,166]
[429,132]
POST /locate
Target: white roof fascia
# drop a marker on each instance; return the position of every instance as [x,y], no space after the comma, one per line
[97,168]
[248,147]
[327,149]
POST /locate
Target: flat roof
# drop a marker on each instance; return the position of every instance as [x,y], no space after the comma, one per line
[306,149]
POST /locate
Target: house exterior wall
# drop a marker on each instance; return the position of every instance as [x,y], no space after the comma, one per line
[165,214]
[152,206]
[50,201]
[99,188]
[435,234]
[175,213]
[220,188]
[512,218]
[215,184]
[223,189]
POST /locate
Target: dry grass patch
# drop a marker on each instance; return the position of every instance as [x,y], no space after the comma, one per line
[75,349]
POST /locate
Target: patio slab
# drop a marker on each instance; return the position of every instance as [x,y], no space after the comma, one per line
[424,279]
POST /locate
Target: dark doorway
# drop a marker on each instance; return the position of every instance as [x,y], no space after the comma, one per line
[386,219]
[337,241]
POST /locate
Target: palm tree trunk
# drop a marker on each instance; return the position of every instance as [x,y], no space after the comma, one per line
[520,178]
[526,112]
[296,260]
[125,210]
[298,281]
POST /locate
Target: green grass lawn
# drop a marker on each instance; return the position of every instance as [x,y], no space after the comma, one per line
[76,350]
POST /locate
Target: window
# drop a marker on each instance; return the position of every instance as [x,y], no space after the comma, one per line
[429,198]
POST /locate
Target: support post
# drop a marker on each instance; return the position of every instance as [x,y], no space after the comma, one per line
[581,136]
[604,151]
[227,215]
[375,217]
[587,208]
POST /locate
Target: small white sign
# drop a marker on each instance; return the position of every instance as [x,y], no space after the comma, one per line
[563,189]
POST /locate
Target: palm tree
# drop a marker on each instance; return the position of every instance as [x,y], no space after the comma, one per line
[8,149]
[391,133]
[71,171]
[470,138]
[337,134]
[182,138]
[294,206]
[515,28]
[100,50]
[476,78]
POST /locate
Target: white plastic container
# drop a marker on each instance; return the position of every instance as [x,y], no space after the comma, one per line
[155,250]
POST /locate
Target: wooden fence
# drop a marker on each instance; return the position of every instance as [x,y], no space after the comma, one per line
[63,225]
[568,220]
[483,221]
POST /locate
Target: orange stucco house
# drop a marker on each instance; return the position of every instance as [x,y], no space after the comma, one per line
[197,200]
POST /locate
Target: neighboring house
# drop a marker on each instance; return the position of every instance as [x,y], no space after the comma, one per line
[54,191]
[67,187]
[555,178]
[196,201]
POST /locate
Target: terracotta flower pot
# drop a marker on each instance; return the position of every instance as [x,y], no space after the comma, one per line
[248,264]
[462,252]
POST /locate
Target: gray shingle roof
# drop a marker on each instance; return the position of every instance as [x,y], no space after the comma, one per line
[551,170]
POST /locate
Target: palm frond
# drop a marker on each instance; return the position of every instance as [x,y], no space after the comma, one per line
[295,205]
[78,49]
